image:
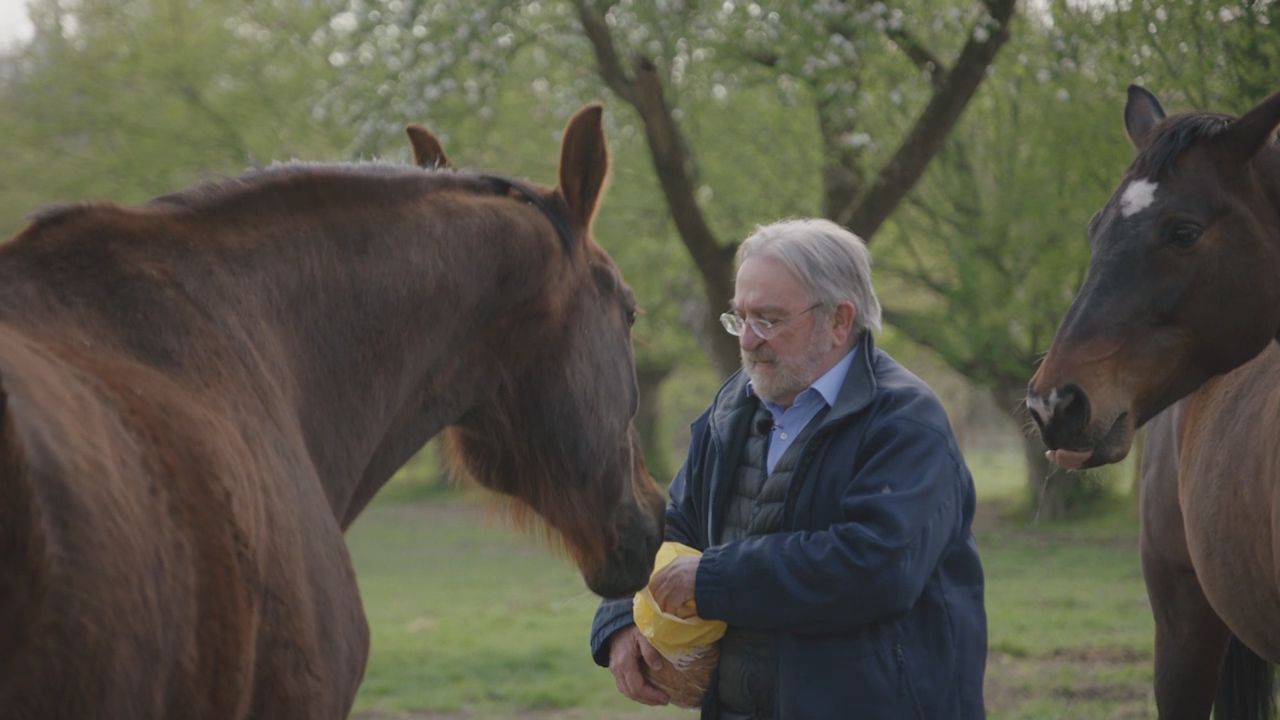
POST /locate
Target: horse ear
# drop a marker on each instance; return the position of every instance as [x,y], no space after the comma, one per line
[584,163]
[427,150]
[1247,135]
[1141,114]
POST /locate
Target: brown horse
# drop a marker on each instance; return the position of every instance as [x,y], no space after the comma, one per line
[200,394]
[1182,301]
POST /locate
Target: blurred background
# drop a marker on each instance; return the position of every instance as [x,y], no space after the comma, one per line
[968,142]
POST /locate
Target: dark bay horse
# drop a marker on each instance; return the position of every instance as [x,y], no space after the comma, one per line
[1181,307]
[201,394]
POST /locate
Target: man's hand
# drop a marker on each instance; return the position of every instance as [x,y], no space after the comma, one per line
[627,649]
[673,587]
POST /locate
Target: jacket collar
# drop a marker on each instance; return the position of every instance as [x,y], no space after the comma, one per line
[855,394]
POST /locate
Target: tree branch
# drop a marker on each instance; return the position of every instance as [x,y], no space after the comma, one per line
[671,161]
[607,61]
[920,55]
[865,215]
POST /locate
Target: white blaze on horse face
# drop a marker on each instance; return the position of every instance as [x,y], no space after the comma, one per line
[1137,197]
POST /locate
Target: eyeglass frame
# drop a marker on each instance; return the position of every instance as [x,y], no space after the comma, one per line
[736,325]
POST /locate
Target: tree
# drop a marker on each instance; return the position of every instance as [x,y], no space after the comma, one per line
[991,247]
[786,41]
[127,99]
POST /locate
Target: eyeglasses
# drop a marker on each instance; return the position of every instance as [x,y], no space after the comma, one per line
[735,325]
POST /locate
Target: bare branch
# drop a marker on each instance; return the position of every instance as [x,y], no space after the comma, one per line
[644,91]
[934,124]
[607,61]
[920,55]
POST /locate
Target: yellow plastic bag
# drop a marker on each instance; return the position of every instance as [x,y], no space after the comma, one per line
[671,635]
[689,645]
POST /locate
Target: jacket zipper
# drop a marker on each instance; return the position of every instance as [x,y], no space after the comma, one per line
[902,668]
[905,688]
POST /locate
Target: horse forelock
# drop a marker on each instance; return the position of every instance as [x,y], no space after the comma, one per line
[1173,136]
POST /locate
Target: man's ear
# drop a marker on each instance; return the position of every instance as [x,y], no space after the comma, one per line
[846,315]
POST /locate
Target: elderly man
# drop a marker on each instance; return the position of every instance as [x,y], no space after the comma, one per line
[832,506]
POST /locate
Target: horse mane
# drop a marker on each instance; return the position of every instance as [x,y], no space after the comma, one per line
[233,190]
[1171,137]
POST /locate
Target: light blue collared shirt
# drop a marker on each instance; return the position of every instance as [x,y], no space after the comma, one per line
[788,422]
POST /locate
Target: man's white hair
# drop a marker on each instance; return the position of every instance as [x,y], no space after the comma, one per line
[833,263]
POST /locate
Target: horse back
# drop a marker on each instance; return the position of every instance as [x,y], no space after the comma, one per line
[144,582]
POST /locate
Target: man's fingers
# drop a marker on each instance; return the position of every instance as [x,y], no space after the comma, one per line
[650,695]
[685,611]
[624,662]
[663,594]
[652,657]
[633,685]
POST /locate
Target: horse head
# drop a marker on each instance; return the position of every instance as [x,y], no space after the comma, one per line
[558,434]
[1183,282]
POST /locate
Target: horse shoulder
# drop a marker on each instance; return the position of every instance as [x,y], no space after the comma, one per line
[1229,492]
[1163,539]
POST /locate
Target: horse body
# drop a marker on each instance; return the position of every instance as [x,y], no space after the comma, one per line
[1176,323]
[1208,542]
[1228,489]
[202,393]
[163,573]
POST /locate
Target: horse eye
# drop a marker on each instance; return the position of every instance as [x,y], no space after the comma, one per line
[631,317]
[1185,234]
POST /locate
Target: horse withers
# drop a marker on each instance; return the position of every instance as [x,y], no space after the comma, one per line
[1181,304]
[201,394]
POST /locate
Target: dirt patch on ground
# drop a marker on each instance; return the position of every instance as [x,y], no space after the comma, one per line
[1079,681]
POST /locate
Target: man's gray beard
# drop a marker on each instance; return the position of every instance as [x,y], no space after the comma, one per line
[788,379]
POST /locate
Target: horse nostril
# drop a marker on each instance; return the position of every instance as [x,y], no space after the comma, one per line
[1070,406]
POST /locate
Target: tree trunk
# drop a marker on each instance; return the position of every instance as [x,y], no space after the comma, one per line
[650,377]
[1047,484]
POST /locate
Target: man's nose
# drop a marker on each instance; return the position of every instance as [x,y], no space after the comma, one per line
[749,340]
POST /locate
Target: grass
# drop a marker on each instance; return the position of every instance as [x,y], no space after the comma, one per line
[467,615]
[473,620]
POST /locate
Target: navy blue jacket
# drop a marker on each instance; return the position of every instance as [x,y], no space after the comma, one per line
[874,585]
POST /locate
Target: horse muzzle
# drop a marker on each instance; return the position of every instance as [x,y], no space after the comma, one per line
[1076,437]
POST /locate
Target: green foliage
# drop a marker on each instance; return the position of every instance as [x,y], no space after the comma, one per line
[991,249]
[128,100]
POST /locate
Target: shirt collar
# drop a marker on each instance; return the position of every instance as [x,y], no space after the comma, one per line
[828,385]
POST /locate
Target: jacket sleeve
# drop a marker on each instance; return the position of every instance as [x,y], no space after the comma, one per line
[901,510]
[681,526]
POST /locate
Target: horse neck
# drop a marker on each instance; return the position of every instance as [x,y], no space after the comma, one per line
[393,330]
[352,318]
[1269,172]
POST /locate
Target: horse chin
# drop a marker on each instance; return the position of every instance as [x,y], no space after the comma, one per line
[628,565]
[1110,447]
[626,574]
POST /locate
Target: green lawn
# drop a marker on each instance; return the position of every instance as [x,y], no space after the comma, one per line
[473,620]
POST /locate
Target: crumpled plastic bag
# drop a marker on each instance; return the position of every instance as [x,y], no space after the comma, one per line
[689,645]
